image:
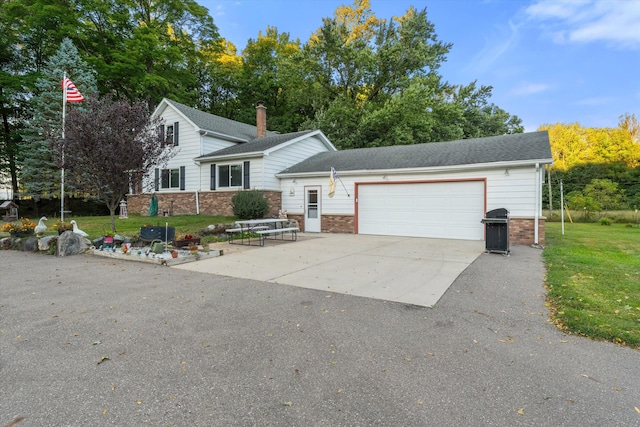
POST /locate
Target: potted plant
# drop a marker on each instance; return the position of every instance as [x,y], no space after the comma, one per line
[186,240]
[63,226]
[22,228]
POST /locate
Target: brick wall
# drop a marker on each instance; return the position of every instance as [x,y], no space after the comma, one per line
[522,231]
[184,203]
[330,223]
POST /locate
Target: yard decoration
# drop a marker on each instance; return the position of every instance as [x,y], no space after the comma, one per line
[21,228]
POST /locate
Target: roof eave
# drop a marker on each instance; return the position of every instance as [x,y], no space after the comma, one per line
[207,159]
[219,135]
[430,169]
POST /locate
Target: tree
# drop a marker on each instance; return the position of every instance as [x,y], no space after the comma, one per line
[269,75]
[109,143]
[41,152]
[630,124]
[144,49]
[363,71]
[605,194]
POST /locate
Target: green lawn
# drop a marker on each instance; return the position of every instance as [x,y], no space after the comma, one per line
[593,278]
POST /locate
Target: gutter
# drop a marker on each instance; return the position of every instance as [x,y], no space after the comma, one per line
[452,168]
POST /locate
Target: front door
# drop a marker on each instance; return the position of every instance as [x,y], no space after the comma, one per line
[312,209]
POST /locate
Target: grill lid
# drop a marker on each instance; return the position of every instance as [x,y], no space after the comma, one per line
[498,213]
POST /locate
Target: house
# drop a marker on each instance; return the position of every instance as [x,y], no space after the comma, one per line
[440,190]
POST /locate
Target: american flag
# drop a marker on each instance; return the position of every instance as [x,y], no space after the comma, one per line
[72,92]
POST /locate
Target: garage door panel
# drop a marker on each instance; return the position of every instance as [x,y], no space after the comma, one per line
[440,210]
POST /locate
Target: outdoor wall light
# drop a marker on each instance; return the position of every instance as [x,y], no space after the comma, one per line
[506,171]
[292,191]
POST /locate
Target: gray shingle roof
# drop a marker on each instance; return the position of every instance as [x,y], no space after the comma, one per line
[257,145]
[503,148]
[213,123]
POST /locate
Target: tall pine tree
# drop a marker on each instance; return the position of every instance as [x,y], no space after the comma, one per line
[40,163]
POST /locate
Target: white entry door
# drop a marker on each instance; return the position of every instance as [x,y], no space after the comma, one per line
[312,209]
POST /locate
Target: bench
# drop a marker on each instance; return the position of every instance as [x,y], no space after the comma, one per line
[278,231]
[231,231]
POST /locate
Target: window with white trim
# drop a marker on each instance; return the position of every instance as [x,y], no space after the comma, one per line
[170,178]
[230,175]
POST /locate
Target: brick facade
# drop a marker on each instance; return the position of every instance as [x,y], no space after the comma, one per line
[330,223]
[522,231]
[184,203]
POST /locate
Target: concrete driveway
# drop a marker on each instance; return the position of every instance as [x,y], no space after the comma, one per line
[409,270]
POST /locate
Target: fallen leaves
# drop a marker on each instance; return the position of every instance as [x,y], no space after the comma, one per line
[521,411]
[103,359]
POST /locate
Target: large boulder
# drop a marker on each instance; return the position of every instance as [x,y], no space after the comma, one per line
[70,243]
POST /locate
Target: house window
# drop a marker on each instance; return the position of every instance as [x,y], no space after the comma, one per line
[169,136]
[170,178]
[230,176]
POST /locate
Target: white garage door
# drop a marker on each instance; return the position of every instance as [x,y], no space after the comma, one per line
[447,210]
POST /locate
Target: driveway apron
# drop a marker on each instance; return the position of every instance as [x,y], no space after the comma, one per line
[415,271]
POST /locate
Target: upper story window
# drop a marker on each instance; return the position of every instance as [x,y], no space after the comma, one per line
[169,134]
[169,137]
[230,175]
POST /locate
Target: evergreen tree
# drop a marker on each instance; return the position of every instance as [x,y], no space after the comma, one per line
[42,141]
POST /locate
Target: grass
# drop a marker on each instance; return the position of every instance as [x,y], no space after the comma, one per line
[593,280]
[97,226]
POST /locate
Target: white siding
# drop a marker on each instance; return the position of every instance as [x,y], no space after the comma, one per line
[211,144]
[515,191]
[292,154]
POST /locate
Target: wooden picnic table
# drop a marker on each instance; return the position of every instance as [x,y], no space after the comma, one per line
[263,228]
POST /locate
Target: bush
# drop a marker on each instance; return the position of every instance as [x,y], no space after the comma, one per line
[250,204]
[605,221]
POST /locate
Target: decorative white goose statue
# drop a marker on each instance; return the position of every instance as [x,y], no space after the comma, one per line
[41,228]
[77,230]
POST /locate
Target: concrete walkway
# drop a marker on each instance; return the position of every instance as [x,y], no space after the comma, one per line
[414,271]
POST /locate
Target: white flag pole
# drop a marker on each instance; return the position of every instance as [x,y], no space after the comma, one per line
[64,112]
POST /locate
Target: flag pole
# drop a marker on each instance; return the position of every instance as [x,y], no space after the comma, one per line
[345,188]
[64,112]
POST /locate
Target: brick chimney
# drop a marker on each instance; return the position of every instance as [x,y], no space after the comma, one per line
[261,119]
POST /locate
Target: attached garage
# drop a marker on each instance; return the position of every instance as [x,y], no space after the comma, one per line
[435,190]
[441,209]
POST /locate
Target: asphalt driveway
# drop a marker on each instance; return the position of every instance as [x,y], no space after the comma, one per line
[415,271]
[92,341]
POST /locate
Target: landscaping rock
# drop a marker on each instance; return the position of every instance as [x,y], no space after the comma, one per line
[70,243]
[5,243]
[30,244]
[45,242]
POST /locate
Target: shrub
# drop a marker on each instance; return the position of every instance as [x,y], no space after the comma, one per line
[605,221]
[250,204]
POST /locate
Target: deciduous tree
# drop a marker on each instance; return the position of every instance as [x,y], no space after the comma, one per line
[109,143]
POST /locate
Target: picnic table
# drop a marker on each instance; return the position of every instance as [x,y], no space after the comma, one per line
[263,228]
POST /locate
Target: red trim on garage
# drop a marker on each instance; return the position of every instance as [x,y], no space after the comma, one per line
[432,181]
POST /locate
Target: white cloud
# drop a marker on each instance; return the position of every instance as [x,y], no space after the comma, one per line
[496,48]
[530,89]
[596,101]
[566,21]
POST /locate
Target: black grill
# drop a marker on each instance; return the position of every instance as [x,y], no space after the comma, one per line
[497,231]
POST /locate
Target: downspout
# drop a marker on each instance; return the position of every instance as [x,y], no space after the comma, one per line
[197,204]
[538,204]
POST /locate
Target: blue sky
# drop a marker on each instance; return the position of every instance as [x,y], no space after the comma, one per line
[548,61]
